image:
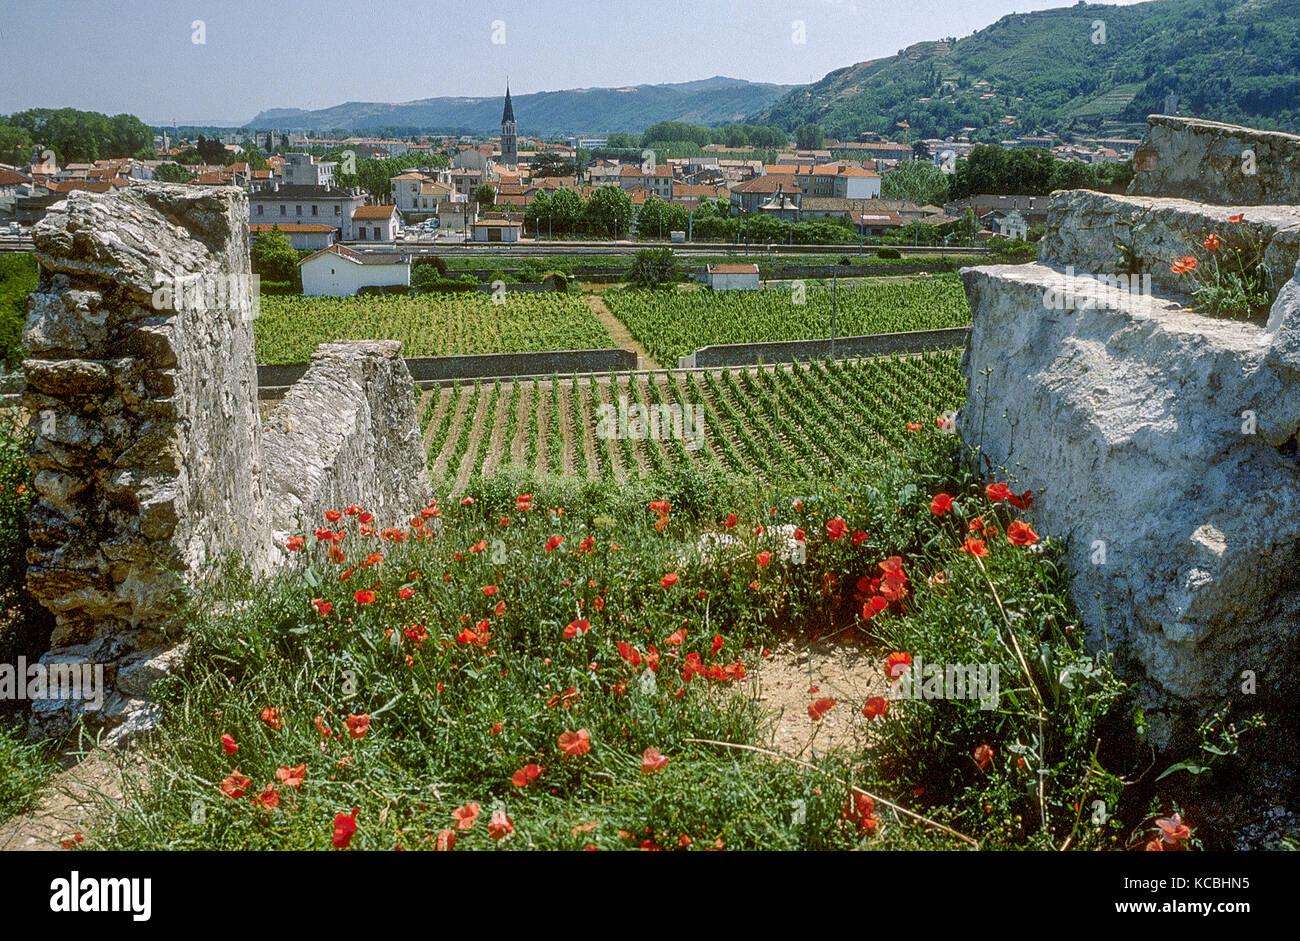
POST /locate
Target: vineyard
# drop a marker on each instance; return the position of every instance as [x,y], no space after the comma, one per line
[674,323]
[804,422]
[289,328]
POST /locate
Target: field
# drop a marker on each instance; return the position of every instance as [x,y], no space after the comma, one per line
[290,328]
[674,323]
[811,421]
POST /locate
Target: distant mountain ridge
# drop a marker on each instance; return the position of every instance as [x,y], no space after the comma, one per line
[1085,69]
[630,109]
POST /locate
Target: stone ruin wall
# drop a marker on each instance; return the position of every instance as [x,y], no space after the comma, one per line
[1161,442]
[150,462]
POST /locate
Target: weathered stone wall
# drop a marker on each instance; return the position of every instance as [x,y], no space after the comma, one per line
[346,433]
[1219,164]
[148,457]
[1161,442]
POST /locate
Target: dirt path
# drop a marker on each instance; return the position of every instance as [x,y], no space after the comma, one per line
[68,804]
[620,333]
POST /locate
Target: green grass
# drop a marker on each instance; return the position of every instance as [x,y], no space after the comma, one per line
[25,767]
[451,720]
[18,278]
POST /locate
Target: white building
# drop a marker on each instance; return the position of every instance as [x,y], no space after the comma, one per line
[306,204]
[338,271]
[732,277]
[302,236]
[375,224]
[306,170]
[497,230]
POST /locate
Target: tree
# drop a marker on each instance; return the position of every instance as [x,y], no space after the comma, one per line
[654,268]
[485,195]
[809,137]
[172,173]
[549,164]
[609,211]
[916,180]
[15,145]
[273,257]
[211,150]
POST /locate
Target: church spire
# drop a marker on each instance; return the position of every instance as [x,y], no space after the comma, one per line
[509,113]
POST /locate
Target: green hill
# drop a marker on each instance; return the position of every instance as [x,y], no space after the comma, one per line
[1056,71]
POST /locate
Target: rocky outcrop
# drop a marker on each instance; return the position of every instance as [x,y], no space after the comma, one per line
[149,457]
[1162,445]
[1219,164]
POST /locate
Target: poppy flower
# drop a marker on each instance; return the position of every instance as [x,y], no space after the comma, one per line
[1236,217]
[874,708]
[268,799]
[676,638]
[489,590]
[525,775]
[291,777]
[524,502]
[500,825]
[445,841]
[466,816]
[859,537]
[405,593]
[717,643]
[496,729]
[1211,242]
[819,708]
[974,547]
[554,543]
[669,580]
[1173,830]
[1023,501]
[1184,264]
[763,558]
[344,826]
[575,743]
[997,492]
[652,760]
[500,608]
[333,515]
[478,546]
[730,521]
[983,755]
[271,716]
[629,653]
[836,528]
[574,628]
[228,745]
[914,426]
[941,504]
[897,663]
[295,543]
[358,725]
[662,507]
[364,596]
[234,785]
[1020,533]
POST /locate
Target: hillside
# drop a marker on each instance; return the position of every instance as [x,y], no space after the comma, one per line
[1227,60]
[581,110]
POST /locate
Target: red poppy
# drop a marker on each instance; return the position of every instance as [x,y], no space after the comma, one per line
[676,638]
[478,546]
[405,593]
[629,653]
[1236,217]
[874,708]
[1173,830]
[525,775]
[445,841]
[554,543]
[1020,533]
[983,755]
[1022,502]
[997,492]
[652,760]
[836,528]
[859,537]
[819,708]
[730,521]
[897,663]
[500,608]
[717,643]
[364,596]
[575,743]
[496,729]
[291,777]
[358,725]
[228,744]
[234,785]
[974,547]
[1211,242]
[763,558]
[268,799]
[500,825]
[333,515]
[295,543]
[344,826]
[574,628]
[466,816]
[914,426]
[271,716]
[669,580]
[662,507]
[941,504]
[489,590]
[1184,264]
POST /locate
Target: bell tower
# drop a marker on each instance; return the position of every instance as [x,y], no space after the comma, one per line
[509,143]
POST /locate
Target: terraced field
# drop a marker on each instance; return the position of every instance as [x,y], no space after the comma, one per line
[289,328]
[802,422]
[673,323]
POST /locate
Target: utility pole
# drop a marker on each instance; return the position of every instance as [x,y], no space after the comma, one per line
[835,306]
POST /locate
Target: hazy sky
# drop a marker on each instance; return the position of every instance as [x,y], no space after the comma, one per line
[139,56]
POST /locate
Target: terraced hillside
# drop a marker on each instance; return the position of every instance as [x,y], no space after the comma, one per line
[793,422]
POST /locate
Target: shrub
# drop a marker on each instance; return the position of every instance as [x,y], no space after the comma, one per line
[18,277]
[273,257]
[654,268]
[557,281]
[429,261]
[892,254]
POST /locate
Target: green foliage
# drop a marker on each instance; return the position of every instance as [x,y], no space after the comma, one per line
[889,254]
[917,180]
[654,268]
[19,275]
[273,257]
[1230,278]
[172,173]
[24,768]
[24,625]
[80,136]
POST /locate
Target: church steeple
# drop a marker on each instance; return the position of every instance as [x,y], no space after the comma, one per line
[509,141]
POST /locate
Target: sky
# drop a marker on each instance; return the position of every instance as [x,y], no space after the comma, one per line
[144,56]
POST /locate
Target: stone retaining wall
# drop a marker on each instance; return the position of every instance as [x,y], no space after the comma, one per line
[881,344]
[1219,164]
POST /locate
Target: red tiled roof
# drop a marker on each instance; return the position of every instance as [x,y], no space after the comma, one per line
[374,212]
